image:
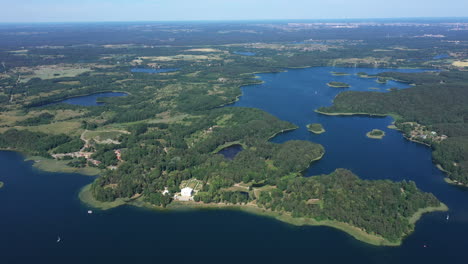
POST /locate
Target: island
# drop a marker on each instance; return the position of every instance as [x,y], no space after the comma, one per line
[364,75]
[316,128]
[1,184]
[375,134]
[338,85]
[339,73]
[382,80]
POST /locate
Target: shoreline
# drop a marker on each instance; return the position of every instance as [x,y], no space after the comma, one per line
[350,114]
[251,208]
[282,131]
[392,126]
[317,132]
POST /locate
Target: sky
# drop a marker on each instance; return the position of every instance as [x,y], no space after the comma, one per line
[189,10]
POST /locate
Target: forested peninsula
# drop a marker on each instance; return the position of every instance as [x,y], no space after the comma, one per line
[434,112]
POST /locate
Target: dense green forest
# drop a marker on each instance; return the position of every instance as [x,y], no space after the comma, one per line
[439,101]
[381,207]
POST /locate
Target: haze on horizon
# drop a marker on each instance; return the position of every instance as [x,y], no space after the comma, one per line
[192,10]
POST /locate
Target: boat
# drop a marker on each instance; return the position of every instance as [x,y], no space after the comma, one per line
[58,239]
[90,212]
[447,217]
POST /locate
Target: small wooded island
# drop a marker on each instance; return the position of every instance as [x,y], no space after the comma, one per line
[338,85]
[339,73]
[1,184]
[316,128]
[375,134]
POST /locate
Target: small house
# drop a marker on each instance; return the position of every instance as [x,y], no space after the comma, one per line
[187,192]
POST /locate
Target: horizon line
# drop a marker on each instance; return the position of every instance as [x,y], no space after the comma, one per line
[229,20]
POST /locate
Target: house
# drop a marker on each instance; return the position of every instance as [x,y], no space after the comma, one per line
[187,192]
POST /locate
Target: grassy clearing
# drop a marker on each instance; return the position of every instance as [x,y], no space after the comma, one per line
[52,165]
[103,135]
[54,71]
[168,119]
[71,82]
[460,64]
[72,128]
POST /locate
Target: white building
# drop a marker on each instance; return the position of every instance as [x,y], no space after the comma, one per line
[187,192]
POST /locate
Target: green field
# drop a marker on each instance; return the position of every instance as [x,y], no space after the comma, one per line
[52,165]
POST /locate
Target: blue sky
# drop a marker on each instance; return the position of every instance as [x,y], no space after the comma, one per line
[179,10]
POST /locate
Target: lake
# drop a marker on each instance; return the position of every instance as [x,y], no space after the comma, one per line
[89,100]
[244,53]
[37,207]
[231,151]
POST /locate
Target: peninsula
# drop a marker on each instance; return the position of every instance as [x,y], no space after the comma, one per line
[428,113]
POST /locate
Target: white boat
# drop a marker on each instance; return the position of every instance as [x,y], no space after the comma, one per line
[58,239]
[90,212]
[447,217]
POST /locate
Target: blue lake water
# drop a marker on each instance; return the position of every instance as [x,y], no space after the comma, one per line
[245,53]
[231,152]
[90,100]
[441,56]
[36,207]
[151,70]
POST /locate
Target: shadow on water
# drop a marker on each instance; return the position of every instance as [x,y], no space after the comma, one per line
[89,100]
[231,151]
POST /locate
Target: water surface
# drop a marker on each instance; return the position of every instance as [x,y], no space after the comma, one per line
[231,151]
[245,53]
[90,100]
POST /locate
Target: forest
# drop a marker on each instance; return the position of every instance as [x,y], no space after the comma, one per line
[439,101]
[381,207]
